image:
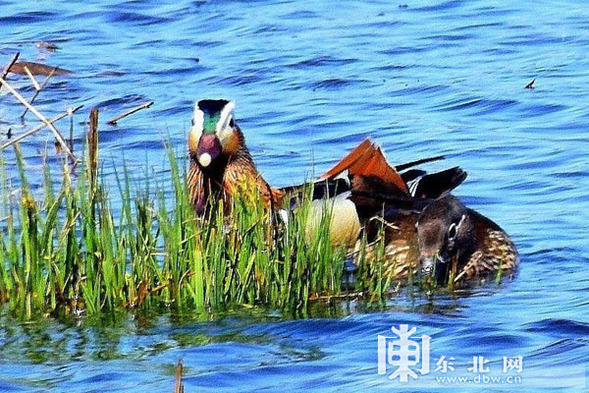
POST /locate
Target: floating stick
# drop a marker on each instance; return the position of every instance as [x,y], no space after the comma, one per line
[530,84]
[114,120]
[37,69]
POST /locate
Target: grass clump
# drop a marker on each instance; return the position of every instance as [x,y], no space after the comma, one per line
[68,252]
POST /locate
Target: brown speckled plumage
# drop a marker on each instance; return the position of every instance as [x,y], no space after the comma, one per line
[493,251]
[483,250]
[401,252]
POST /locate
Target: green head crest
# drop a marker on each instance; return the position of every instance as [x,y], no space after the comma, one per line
[214,113]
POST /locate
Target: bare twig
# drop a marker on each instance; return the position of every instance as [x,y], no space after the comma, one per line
[40,127]
[7,68]
[37,91]
[58,136]
[530,85]
[93,148]
[178,387]
[114,120]
[32,78]
[72,133]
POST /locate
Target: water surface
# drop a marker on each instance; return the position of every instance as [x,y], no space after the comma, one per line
[311,80]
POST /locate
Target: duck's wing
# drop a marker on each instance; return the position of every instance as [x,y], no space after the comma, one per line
[373,184]
[368,169]
[364,172]
[430,185]
[434,185]
[316,190]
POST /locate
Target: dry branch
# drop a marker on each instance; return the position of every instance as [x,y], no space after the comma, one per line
[33,80]
[40,127]
[114,120]
[93,148]
[37,91]
[58,136]
[9,66]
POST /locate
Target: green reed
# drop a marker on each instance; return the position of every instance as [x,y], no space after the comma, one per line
[66,252]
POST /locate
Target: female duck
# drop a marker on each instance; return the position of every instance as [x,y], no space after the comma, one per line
[457,243]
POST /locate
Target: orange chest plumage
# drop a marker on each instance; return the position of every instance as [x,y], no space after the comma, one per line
[237,177]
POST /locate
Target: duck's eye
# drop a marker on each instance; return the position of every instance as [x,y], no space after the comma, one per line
[231,123]
[452,231]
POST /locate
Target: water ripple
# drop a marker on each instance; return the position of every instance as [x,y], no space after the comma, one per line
[561,327]
[322,61]
[311,80]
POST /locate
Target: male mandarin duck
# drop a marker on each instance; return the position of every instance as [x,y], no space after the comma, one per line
[366,192]
[220,162]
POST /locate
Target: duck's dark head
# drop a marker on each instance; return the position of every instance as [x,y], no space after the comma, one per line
[214,136]
[443,229]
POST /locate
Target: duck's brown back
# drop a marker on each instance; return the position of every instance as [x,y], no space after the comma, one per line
[401,251]
[493,250]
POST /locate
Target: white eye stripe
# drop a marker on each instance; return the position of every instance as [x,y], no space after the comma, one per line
[225,124]
[452,231]
[224,131]
[198,118]
[196,129]
[225,116]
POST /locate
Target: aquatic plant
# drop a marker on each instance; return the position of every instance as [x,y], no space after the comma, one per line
[80,246]
[66,252]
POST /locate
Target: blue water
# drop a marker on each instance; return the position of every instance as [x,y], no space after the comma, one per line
[311,80]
